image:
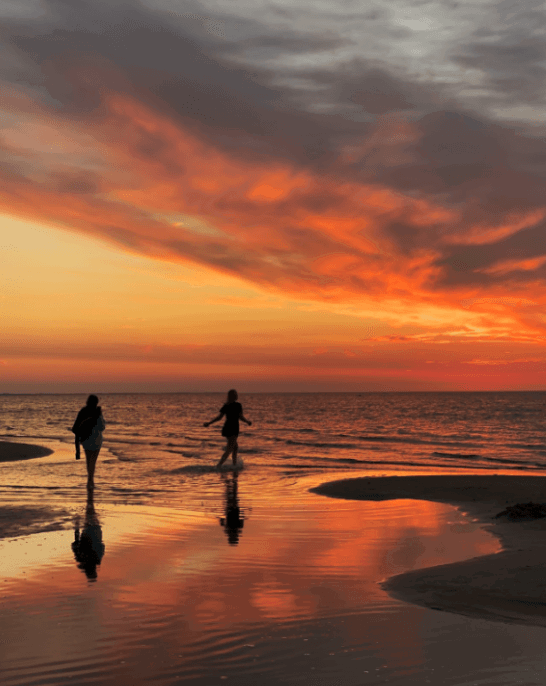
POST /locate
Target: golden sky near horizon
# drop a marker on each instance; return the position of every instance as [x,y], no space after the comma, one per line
[266,197]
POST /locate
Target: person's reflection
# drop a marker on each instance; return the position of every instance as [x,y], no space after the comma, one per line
[88,547]
[233,520]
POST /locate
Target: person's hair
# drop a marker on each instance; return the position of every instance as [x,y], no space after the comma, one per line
[92,401]
[232,395]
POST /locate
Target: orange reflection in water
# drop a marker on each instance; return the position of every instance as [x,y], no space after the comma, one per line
[259,555]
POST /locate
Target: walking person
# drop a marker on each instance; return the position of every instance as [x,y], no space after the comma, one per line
[233,412]
[88,429]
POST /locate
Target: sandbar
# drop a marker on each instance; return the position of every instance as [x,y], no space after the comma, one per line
[10,452]
[509,586]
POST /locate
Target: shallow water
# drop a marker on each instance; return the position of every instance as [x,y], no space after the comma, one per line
[242,578]
[303,431]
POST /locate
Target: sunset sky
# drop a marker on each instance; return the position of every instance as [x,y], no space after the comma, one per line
[301,195]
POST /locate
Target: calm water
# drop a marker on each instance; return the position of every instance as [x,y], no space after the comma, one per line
[175,573]
[385,431]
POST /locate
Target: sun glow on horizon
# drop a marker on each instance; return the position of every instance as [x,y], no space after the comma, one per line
[87,314]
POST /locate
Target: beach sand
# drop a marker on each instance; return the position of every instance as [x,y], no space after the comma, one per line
[508,586]
[10,452]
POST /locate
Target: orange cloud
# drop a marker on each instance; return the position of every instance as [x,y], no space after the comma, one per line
[481,233]
[144,180]
[279,227]
[507,266]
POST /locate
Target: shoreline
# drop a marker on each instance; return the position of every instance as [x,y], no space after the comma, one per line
[17,520]
[508,586]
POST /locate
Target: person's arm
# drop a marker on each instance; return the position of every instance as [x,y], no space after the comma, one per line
[76,437]
[243,418]
[216,419]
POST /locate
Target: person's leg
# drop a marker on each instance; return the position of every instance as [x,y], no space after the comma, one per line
[91,461]
[234,453]
[227,451]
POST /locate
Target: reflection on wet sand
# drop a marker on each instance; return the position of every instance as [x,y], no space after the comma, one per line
[297,594]
[88,547]
[233,520]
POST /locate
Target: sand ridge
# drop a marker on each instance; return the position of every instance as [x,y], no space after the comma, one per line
[9,451]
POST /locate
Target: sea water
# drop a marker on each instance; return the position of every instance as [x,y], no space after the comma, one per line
[392,432]
[207,578]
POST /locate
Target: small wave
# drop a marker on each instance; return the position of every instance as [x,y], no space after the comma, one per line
[517,464]
[527,446]
[120,457]
[322,445]
[127,441]
[202,468]
[41,437]
[332,461]
[415,441]
[455,455]
[190,469]
[135,491]
[308,467]
[182,452]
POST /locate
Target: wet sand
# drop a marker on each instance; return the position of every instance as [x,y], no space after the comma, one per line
[508,586]
[243,578]
[254,576]
[23,520]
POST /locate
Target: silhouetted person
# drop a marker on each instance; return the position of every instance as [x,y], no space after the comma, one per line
[88,547]
[233,521]
[88,429]
[233,411]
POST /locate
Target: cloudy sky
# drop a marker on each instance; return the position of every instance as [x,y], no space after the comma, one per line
[276,195]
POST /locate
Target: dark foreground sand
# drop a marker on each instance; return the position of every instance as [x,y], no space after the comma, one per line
[10,452]
[508,586]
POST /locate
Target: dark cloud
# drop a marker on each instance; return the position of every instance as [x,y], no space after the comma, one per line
[367,85]
[509,51]
[516,67]
[464,264]
[126,47]
[290,41]
[358,121]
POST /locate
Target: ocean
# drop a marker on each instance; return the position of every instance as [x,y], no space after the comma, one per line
[386,432]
